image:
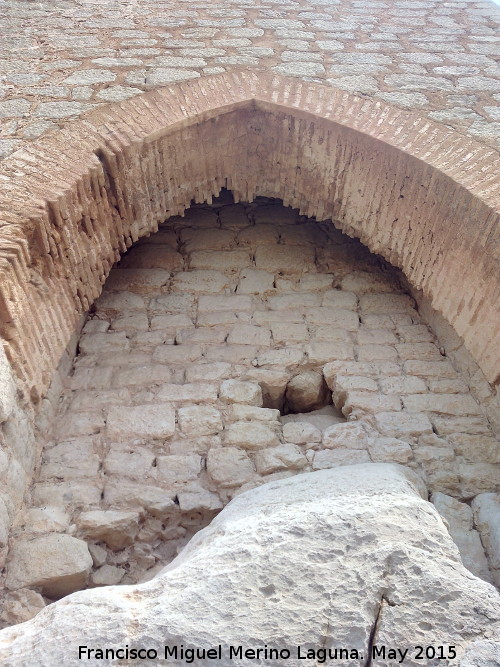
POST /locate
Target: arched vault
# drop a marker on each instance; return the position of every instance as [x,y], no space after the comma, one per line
[421,195]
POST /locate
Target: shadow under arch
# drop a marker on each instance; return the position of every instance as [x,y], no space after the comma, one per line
[423,196]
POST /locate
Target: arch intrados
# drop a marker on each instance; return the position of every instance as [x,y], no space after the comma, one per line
[75,199]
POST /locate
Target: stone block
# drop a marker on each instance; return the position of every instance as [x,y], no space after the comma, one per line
[287,358]
[447,404]
[194,498]
[283,457]
[104,343]
[152,256]
[71,459]
[323,353]
[117,529]
[7,387]
[301,433]
[247,334]
[386,450]
[176,470]
[138,496]
[253,281]
[141,421]
[333,317]
[289,332]
[230,466]
[346,436]
[401,424]
[403,385]
[130,461]
[236,391]
[200,420]
[306,391]
[199,392]
[177,354]
[200,281]
[139,281]
[476,448]
[251,413]
[58,564]
[331,458]
[250,436]
[284,258]
[172,304]
[225,260]
[225,302]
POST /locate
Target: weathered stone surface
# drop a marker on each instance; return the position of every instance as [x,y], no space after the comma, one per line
[304,515]
[234,391]
[145,421]
[486,508]
[251,436]
[306,391]
[116,529]
[20,606]
[57,564]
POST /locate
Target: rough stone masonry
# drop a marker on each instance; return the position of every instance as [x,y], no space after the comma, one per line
[238,345]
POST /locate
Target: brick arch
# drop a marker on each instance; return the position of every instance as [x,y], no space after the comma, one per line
[415,192]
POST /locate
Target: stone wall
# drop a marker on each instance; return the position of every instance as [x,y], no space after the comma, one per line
[238,345]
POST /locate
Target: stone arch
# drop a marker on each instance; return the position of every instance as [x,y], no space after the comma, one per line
[421,195]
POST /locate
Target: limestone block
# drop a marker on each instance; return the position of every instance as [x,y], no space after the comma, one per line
[386,450]
[368,352]
[141,421]
[225,260]
[218,370]
[440,369]
[334,317]
[238,412]
[171,323]
[48,519]
[446,425]
[104,343]
[301,433]
[20,606]
[111,304]
[96,326]
[99,554]
[293,304]
[279,458]
[337,298]
[7,387]
[235,391]
[138,496]
[200,420]
[322,353]
[58,564]
[401,424]
[289,332]
[347,435]
[341,385]
[148,375]
[74,492]
[313,282]
[233,354]
[447,386]
[251,436]
[331,458]
[151,256]
[306,391]
[286,259]
[232,303]
[376,336]
[71,459]
[194,498]
[476,448]
[360,403]
[176,354]
[247,334]
[287,358]
[229,466]
[215,319]
[253,281]
[339,367]
[137,280]
[176,470]
[447,404]
[199,392]
[117,529]
[129,461]
[172,304]
[199,281]
[459,522]
[199,444]
[352,519]
[476,478]
[131,323]
[419,351]
[486,509]
[209,335]
[107,575]
[402,385]
[331,334]
[79,424]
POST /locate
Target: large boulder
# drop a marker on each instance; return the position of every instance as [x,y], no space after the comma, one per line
[349,558]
